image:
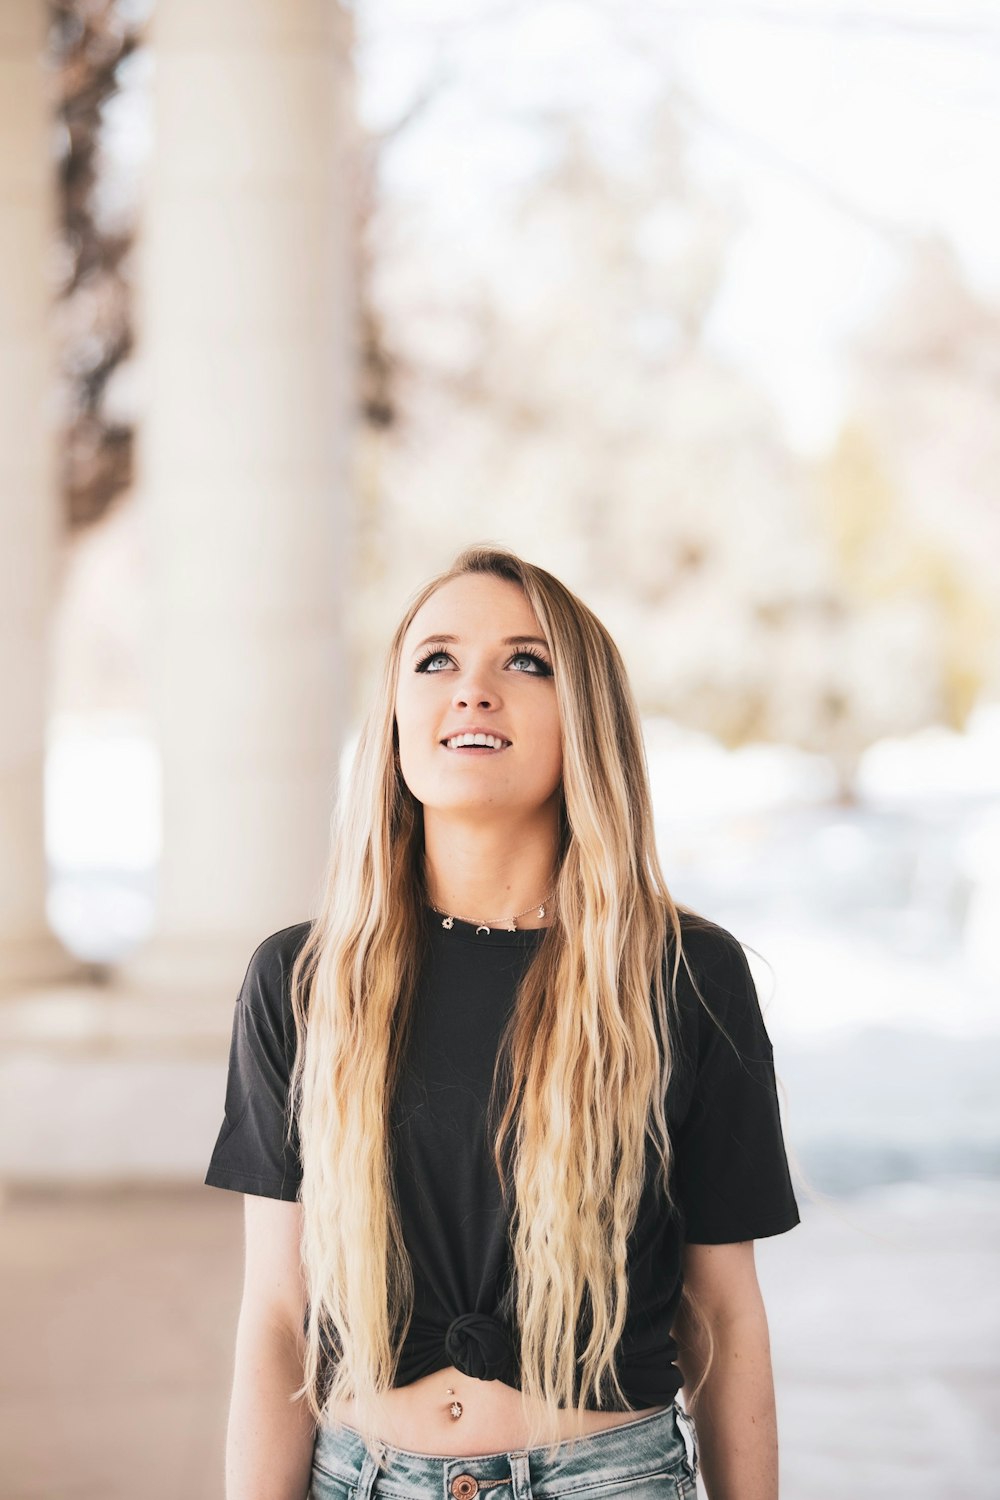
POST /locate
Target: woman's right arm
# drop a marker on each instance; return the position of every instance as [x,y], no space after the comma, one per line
[270,1439]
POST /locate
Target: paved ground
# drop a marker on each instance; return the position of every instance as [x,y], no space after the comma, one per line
[118,1312]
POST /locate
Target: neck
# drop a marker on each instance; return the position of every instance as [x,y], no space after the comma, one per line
[489,874]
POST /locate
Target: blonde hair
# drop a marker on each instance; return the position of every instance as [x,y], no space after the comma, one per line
[589,1056]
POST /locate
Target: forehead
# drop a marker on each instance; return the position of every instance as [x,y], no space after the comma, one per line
[474,605]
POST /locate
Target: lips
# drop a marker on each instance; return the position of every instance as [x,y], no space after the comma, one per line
[475,749]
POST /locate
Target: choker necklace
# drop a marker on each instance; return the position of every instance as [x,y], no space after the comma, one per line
[509,922]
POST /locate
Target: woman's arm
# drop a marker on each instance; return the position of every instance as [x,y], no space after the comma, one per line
[735,1412]
[270,1439]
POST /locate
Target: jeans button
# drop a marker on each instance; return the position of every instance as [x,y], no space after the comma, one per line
[464,1486]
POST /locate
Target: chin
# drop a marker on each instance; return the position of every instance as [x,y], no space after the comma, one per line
[464,801]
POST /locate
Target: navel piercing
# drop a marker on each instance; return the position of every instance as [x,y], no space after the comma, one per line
[456,1406]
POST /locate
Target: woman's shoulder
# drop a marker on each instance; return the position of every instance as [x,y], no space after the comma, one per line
[284,943]
[270,965]
[714,978]
[727,1002]
[709,948]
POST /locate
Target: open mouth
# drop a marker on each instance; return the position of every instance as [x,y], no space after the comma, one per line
[459,749]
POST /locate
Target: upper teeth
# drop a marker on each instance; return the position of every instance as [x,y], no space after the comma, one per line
[476,739]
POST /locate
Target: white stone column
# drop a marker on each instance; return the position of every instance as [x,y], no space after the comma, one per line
[29,501]
[246,331]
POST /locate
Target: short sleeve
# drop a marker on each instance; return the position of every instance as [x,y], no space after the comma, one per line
[251,1154]
[732,1174]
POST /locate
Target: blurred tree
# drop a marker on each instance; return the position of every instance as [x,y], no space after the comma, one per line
[556,388]
[573,408]
[927,375]
[88,42]
[538,367]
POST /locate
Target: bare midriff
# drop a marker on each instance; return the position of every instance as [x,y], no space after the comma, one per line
[417,1417]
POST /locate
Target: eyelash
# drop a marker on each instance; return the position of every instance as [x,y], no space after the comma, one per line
[421,665]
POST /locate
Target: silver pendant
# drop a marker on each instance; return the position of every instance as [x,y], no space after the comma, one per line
[448,922]
[482,928]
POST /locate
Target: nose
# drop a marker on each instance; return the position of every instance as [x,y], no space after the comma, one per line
[482,698]
[462,700]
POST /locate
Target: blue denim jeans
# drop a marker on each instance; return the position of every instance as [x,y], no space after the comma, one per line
[652,1458]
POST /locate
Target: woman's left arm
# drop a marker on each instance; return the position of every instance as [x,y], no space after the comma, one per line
[735,1412]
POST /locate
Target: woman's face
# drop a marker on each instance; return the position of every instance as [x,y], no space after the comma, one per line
[466,665]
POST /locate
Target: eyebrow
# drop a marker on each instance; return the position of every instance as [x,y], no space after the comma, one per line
[508,640]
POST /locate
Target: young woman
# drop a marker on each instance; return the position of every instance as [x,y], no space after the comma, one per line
[504,1113]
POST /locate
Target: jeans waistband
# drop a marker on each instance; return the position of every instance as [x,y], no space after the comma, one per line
[656,1443]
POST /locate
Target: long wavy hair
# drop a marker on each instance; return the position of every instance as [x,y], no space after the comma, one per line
[584,1062]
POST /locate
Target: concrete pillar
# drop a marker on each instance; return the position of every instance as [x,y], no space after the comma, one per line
[246,331]
[29,507]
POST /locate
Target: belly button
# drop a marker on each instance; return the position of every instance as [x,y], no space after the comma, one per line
[456,1406]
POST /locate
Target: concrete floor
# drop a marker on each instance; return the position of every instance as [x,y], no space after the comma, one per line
[119,1312]
[119,1307]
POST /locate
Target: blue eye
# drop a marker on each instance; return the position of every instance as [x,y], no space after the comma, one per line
[544,669]
[541,667]
[422,663]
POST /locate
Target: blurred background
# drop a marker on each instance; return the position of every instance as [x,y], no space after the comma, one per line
[697,306]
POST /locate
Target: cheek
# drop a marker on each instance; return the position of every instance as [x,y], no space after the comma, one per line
[553,749]
[416,722]
[410,710]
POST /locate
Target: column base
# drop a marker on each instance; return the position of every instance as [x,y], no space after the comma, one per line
[37,961]
[110,1084]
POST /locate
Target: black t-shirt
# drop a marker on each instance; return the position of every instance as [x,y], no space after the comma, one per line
[730,1173]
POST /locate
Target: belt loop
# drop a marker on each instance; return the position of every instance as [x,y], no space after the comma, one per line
[369,1474]
[689,1433]
[520,1476]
